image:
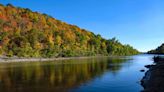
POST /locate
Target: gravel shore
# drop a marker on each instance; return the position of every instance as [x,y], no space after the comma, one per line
[4,59]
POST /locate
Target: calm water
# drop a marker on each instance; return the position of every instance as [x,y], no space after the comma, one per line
[103,74]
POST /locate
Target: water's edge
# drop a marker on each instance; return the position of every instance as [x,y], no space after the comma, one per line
[153,81]
[17,59]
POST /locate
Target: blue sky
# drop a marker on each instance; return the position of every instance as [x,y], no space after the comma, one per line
[139,23]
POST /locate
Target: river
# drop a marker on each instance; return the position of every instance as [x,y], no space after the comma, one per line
[98,74]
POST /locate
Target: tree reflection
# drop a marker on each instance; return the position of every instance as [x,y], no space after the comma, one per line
[53,76]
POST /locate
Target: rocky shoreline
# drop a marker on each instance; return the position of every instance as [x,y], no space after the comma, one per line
[4,59]
[153,81]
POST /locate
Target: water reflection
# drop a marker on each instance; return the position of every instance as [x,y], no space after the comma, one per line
[60,76]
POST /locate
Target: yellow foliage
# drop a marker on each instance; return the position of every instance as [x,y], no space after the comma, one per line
[58,40]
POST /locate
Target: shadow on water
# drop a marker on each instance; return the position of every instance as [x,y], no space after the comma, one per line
[58,76]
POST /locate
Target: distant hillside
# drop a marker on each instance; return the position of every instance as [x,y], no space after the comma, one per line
[25,33]
[159,50]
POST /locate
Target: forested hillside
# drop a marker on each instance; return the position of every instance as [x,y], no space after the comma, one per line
[159,50]
[25,33]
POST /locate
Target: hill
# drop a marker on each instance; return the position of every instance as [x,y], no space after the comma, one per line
[158,50]
[25,33]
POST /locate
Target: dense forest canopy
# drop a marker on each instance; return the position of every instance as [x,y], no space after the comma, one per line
[159,50]
[25,33]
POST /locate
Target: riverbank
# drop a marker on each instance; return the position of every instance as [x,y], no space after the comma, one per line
[153,81]
[4,59]
[21,59]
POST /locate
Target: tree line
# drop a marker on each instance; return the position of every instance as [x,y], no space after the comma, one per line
[158,50]
[24,33]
